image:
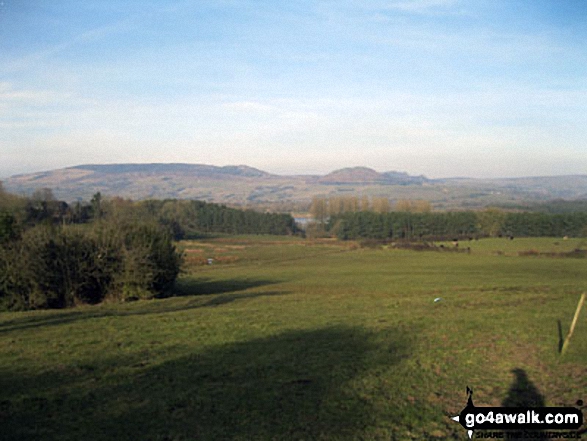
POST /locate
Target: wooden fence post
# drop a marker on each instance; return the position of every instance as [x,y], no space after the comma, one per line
[573,324]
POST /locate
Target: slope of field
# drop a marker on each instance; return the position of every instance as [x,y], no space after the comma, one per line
[283,338]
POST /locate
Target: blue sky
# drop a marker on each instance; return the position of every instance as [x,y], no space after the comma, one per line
[479,88]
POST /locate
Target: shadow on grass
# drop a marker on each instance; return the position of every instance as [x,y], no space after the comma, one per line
[523,394]
[193,286]
[296,385]
[199,236]
[203,292]
[561,339]
[224,299]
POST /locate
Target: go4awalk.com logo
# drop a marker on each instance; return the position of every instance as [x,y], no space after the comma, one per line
[520,422]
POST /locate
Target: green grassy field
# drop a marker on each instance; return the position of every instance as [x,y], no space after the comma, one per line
[283,338]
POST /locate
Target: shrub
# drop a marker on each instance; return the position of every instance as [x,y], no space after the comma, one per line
[15,278]
[9,229]
[58,267]
[65,266]
[151,262]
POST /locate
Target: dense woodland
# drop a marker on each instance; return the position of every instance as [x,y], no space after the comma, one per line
[455,225]
[189,219]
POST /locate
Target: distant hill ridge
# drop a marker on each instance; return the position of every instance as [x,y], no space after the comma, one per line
[365,175]
[241,185]
[355,175]
[154,168]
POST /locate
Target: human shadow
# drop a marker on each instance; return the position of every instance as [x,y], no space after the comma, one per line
[296,385]
[523,393]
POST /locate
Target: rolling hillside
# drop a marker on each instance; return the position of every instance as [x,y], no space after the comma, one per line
[243,185]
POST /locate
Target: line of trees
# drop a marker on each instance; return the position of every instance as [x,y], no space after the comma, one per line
[448,225]
[321,208]
[184,218]
[191,218]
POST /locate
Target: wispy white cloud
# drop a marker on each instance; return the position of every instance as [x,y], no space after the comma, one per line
[39,57]
[423,6]
[415,7]
[248,106]
[28,97]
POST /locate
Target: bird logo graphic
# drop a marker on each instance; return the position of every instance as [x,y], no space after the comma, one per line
[469,407]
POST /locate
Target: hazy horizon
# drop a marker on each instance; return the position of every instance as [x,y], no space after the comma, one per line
[441,88]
